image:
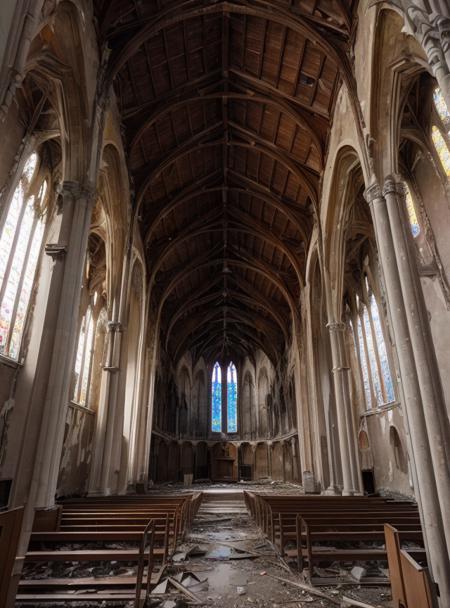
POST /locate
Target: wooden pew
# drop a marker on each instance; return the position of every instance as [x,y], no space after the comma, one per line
[10,526]
[149,525]
[410,582]
[320,528]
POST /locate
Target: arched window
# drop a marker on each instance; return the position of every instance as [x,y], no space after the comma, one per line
[440,131]
[21,234]
[83,359]
[372,352]
[216,399]
[231,399]
[221,395]
[411,211]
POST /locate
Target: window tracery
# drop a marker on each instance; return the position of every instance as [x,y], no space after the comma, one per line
[224,394]
[372,351]
[21,236]
[231,399]
[216,399]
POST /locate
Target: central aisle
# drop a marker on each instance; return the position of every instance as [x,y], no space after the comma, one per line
[237,566]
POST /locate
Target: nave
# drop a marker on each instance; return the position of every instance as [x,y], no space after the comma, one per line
[225,259]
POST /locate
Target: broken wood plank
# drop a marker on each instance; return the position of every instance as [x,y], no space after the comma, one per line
[305,587]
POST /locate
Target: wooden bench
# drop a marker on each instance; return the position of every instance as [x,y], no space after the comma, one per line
[10,526]
[150,526]
[410,582]
[321,529]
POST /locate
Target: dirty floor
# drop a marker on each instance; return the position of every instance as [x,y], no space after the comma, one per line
[236,566]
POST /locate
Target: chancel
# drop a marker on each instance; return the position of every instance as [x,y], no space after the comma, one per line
[224,292]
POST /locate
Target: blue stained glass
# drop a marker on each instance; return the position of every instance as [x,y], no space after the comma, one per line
[231,399]
[364,366]
[384,361]
[216,399]
[372,357]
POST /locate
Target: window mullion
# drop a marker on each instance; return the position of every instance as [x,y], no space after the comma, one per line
[81,374]
[20,284]
[224,420]
[366,352]
[358,355]
[91,360]
[12,252]
[377,354]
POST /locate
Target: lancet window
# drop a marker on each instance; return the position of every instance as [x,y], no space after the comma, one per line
[222,394]
[22,229]
[371,349]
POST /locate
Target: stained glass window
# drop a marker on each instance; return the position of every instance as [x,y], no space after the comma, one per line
[412,215]
[373,357]
[441,149]
[381,345]
[21,237]
[441,108]
[439,140]
[231,399]
[364,366]
[216,399]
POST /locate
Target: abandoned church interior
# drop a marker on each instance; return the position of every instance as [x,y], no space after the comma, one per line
[225,296]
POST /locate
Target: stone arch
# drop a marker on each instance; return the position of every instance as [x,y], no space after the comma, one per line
[400,457]
[346,181]
[263,393]
[365,451]
[58,57]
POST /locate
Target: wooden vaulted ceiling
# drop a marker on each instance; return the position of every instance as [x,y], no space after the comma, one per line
[226,107]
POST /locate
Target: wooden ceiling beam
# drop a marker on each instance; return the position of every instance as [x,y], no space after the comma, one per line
[208,260]
[146,121]
[198,143]
[256,301]
[177,203]
[184,10]
[213,335]
[212,222]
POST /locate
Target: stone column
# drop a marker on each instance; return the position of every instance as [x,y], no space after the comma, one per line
[108,460]
[77,204]
[433,403]
[419,450]
[346,428]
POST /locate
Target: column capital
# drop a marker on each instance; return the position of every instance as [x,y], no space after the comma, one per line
[373,193]
[336,326]
[77,190]
[393,185]
[115,327]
